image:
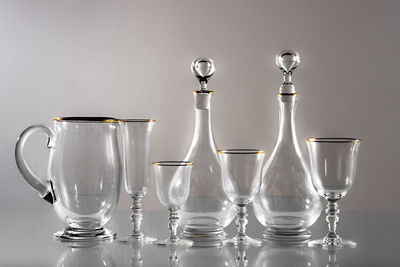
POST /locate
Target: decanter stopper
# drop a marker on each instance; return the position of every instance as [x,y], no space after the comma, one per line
[203,69]
[287,60]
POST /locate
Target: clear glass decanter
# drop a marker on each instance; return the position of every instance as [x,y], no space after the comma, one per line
[207,210]
[287,204]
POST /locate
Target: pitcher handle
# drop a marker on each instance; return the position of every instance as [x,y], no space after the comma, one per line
[45,190]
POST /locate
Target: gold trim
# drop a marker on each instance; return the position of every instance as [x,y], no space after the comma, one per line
[137,120]
[86,119]
[288,94]
[333,140]
[203,92]
[173,163]
[241,151]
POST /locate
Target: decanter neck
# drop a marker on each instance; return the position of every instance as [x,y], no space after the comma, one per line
[203,130]
[287,108]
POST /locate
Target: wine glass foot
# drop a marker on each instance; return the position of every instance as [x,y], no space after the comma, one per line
[328,242]
[242,241]
[175,243]
[141,239]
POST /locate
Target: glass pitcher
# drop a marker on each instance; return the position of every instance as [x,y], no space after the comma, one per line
[84,174]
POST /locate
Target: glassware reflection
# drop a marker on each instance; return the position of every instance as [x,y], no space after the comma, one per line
[241,260]
[86,256]
[206,256]
[285,256]
[332,259]
[173,256]
[137,260]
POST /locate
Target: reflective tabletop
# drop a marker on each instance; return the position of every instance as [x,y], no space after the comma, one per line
[27,240]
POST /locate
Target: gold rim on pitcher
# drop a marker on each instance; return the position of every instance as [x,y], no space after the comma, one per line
[87,119]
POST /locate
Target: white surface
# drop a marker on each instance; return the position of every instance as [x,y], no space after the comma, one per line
[132,59]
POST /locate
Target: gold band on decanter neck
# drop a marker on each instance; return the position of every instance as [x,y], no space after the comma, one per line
[288,94]
[203,92]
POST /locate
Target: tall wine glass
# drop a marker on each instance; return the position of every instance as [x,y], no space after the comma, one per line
[241,180]
[172,188]
[136,150]
[333,168]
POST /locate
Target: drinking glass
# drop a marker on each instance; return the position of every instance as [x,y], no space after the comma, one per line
[333,167]
[241,180]
[136,135]
[172,188]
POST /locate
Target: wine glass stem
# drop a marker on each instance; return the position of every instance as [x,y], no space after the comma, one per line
[332,217]
[241,220]
[173,224]
[137,216]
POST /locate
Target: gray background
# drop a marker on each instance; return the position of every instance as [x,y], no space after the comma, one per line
[132,59]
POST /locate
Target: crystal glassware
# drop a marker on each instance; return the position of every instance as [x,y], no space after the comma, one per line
[136,150]
[287,204]
[333,167]
[207,210]
[241,180]
[84,174]
[172,188]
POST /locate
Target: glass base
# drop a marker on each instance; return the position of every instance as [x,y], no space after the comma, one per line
[331,241]
[84,236]
[299,236]
[242,241]
[175,243]
[138,239]
[204,237]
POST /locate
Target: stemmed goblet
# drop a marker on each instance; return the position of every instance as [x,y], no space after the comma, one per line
[172,188]
[333,169]
[136,135]
[241,180]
